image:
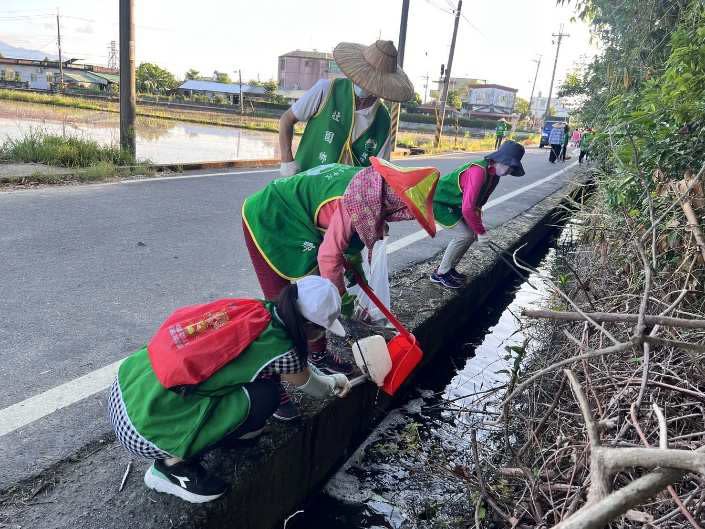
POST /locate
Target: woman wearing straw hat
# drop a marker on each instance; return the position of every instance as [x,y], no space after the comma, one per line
[346,121]
[458,203]
[311,222]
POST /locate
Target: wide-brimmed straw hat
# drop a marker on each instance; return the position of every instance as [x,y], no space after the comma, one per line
[375,69]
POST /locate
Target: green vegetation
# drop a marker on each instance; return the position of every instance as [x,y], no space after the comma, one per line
[645,94]
[57,100]
[454,99]
[257,121]
[61,151]
[87,159]
[152,79]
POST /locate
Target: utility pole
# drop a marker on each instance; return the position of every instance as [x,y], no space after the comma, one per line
[61,62]
[444,96]
[242,103]
[560,36]
[396,107]
[425,88]
[128,90]
[533,87]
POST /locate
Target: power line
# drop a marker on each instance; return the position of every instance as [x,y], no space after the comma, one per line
[440,8]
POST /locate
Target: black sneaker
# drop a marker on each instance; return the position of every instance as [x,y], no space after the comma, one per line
[446,280]
[460,278]
[287,412]
[331,363]
[187,480]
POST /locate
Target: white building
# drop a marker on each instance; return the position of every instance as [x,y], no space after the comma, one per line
[44,75]
[489,100]
[538,107]
[210,89]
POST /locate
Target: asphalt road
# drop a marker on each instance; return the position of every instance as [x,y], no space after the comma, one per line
[89,272]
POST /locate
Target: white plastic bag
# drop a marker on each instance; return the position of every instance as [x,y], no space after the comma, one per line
[377,273]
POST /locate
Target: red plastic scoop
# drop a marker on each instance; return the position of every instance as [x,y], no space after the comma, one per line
[403,348]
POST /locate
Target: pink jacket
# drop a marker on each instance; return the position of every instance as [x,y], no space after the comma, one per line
[339,232]
[471,182]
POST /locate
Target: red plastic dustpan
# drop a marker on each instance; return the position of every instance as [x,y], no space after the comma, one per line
[404,350]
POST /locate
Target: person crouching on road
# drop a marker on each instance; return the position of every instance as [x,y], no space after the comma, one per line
[177,428]
[313,221]
[458,203]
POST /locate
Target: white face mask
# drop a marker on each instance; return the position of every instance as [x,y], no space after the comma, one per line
[361,92]
[501,170]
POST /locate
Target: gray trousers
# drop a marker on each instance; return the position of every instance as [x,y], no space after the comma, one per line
[463,237]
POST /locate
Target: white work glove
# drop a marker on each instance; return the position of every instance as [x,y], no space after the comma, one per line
[483,238]
[321,386]
[342,385]
[289,168]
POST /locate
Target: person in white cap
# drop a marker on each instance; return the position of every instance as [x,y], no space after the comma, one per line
[175,426]
[346,121]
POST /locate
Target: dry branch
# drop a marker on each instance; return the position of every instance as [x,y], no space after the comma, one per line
[606,317]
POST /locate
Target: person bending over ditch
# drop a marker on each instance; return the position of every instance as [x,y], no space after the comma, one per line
[313,221]
[457,205]
[177,426]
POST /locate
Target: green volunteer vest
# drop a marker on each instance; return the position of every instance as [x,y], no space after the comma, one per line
[328,134]
[282,218]
[184,426]
[585,141]
[448,200]
[501,129]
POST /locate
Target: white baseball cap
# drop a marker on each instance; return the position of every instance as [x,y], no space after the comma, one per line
[319,302]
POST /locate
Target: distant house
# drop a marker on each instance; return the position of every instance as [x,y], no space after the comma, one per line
[211,89]
[459,84]
[538,107]
[46,75]
[290,96]
[299,69]
[489,101]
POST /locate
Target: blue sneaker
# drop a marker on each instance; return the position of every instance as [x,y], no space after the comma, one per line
[460,278]
[446,280]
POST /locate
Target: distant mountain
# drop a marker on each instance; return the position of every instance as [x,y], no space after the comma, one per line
[8,50]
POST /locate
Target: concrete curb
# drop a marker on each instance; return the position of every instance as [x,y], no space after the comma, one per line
[273,477]
[255,164]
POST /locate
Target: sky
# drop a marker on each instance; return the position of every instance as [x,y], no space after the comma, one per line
[497,39]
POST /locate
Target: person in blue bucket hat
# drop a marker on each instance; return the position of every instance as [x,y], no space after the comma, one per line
[457,205]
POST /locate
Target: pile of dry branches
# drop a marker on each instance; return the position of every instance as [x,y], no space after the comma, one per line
[606,424]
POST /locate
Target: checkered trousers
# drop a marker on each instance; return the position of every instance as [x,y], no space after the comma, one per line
[125,432]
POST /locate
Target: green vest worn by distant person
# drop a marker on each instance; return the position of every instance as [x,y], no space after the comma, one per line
[183,426]
[501,129]
[283,217]
[585,141]
[328,135]
[448,200]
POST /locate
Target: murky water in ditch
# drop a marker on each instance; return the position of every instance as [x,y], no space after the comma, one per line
[158,140]
[411,472]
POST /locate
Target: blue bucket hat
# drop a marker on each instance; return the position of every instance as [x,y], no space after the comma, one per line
[510,153]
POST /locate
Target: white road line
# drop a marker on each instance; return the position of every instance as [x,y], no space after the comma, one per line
[146,180]
[34,408]
[397,245]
